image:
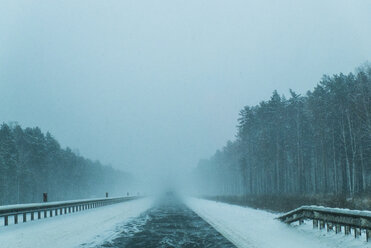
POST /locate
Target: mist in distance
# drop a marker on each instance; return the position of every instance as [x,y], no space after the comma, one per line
[152,87]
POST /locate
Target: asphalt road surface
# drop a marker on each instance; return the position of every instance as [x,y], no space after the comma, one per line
[169,224]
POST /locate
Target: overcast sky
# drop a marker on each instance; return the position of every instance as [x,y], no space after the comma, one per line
[157,85]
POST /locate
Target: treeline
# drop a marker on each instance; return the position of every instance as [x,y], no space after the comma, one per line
[317,144]
[32,163]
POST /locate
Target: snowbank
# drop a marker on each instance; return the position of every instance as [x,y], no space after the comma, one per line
[251,228]
[89,227]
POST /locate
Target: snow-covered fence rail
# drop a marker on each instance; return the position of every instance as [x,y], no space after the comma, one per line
[45,210]
[332,219]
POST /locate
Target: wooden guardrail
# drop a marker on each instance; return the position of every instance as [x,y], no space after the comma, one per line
[333,219]
[45,210]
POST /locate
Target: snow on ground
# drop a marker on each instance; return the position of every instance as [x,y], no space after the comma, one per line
[250,228]
[90,227]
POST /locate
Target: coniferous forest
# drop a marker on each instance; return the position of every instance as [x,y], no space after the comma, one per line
[32,163]
[316,144]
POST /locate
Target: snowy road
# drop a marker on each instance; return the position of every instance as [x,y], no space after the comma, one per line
[91,227]
[169,224]
[250,228]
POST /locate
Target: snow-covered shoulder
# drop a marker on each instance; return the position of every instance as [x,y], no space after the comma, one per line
[90,227]
[251,228]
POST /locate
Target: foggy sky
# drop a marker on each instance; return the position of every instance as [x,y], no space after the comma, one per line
[157,85]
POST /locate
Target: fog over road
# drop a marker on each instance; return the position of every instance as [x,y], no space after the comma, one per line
[173,123]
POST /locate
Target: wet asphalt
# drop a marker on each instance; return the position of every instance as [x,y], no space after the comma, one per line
[168,224]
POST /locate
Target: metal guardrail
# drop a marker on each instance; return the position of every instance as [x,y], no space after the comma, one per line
[332,218]
[45,210]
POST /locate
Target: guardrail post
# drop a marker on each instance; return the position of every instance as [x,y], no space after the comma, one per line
[51,213]
[329,226]
[368,234]
[45,214]
[337,228]
[6,220]
[357,232]
[39,215]
[106,194]
[24,217]
[32,215]
[315,224]
[16,219]
[346,230]
[321,224]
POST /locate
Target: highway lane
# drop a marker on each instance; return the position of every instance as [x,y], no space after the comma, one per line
[168,224]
